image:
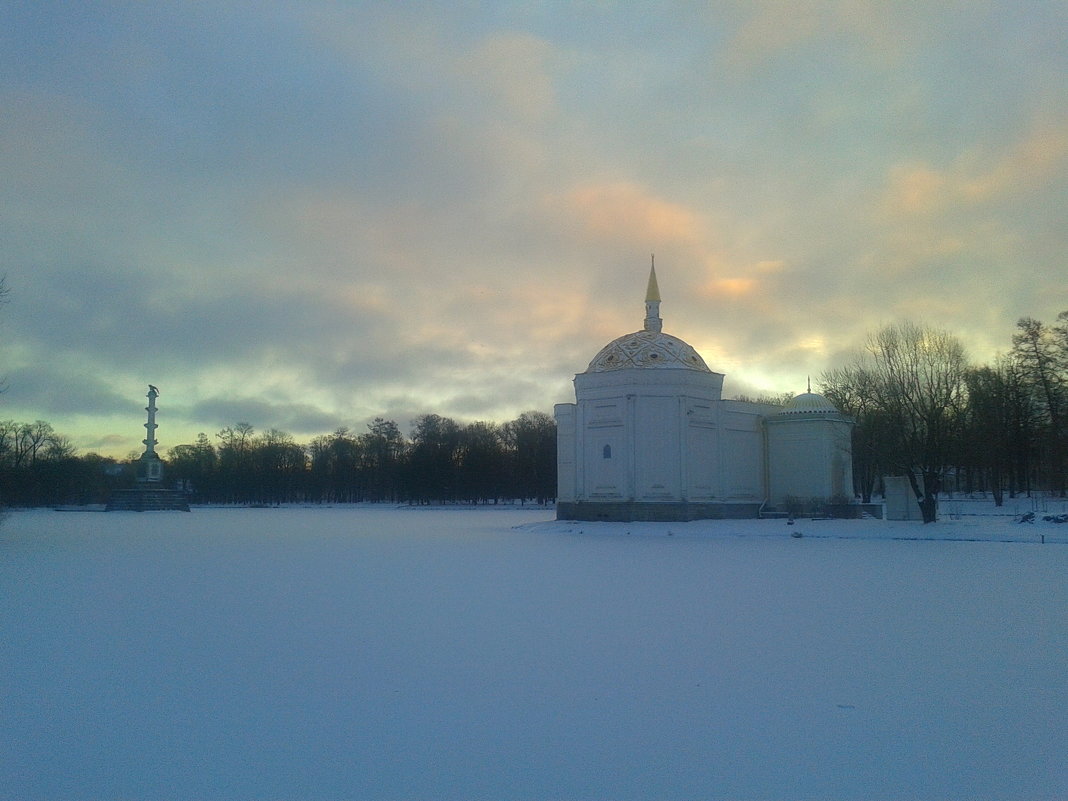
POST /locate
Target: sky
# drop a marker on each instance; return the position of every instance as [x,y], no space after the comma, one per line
[307,215]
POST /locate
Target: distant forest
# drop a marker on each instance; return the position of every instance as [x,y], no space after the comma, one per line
[442,462]
[920,408]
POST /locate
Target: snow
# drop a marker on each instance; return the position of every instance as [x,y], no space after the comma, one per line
[372,653]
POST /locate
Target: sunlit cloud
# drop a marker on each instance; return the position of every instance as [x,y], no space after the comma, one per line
[916,189]
[623,211]
[732,287]
[978,176]
[1040,157]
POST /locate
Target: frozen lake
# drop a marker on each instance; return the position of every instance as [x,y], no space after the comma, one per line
[367,653]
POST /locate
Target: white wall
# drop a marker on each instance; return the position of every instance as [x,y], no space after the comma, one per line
[809,457]
[565,451]
[741,458]
[702,449]
[659,426]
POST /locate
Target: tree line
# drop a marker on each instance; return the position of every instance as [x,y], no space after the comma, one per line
[920,409]
[442,461]
[923,411]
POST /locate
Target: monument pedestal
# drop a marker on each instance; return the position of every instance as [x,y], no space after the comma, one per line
[147,499]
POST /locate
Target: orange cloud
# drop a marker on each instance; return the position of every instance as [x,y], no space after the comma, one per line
[737,286]
[626,211]
[1027,164]
[976,177]
[732,287]
[915,189]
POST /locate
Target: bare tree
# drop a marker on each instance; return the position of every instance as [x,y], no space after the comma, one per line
[335,460]
[911,378]
[235,462]
[1042,352]
[483,463]
[531,440]
[851,390]
[434,458]
[987,443]
[30,440]
[381,449]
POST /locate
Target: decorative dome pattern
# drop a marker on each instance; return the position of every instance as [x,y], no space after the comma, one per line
[808,403]
[647,350]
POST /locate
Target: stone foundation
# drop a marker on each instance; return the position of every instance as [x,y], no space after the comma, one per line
[144,499]
[670,512]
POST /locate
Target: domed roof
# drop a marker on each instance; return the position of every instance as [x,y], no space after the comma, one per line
[647,350]
[807,403]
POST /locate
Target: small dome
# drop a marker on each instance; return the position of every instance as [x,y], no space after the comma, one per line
[808,403]
[647,350]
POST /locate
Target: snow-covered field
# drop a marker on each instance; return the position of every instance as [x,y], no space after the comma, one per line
[366,653]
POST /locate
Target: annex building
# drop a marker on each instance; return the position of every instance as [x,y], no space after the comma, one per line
[650,437]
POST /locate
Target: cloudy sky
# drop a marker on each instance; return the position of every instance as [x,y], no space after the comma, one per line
[305,215]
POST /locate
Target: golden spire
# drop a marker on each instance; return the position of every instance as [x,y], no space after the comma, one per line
[652,293]
[652,303]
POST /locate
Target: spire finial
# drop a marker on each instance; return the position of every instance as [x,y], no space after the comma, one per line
[809,384]
[652,293]
[652,302]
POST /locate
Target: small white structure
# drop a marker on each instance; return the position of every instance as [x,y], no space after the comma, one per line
[900,498]
[651,438]
[810,452]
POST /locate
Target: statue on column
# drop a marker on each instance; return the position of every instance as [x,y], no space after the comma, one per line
[149,495]
[150,468]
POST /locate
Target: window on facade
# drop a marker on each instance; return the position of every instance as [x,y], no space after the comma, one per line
[607,451]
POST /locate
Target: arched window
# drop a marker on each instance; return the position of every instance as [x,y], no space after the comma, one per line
[607,451]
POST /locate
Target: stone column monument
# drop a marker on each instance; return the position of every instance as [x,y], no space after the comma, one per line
[150,467]
[149,494]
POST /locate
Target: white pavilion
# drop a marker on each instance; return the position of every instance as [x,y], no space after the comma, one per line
[650,437]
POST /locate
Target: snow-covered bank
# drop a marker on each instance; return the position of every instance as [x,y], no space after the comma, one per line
[375,653]
[961,529]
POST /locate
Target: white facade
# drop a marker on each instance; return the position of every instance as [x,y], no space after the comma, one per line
[810,453]
[650,438]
